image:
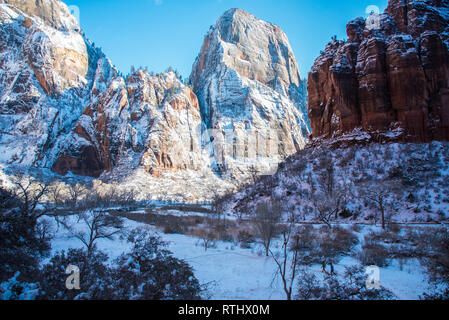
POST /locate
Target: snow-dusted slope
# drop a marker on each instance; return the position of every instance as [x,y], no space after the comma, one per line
[65,107]
[171,111]
[412,181]
[45,77]
[247,82]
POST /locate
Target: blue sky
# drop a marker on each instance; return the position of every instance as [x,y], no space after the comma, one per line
[163,33]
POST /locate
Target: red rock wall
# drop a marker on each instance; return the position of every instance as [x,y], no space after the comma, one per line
[379,79]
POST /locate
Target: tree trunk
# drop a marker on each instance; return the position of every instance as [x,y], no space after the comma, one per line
[382,211]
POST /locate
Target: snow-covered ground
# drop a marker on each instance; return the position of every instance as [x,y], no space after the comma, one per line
[420,173]
[233,273]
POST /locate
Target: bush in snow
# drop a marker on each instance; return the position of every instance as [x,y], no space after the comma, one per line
[309,288]
[96,281]
[437,264]
[23,242]
[351,285]
[14,289]
[437,261]
[307,245]
[207,238]
[267,216]
[245,239]
[150,272]
[436,294]
[147,272]
[333,244]
[373,253]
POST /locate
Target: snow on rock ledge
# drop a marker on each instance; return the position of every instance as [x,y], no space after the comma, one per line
[65,107]
[247,82]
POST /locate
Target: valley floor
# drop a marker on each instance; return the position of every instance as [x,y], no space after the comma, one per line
[233,273]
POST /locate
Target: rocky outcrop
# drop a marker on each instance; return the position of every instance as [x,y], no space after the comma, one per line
[247,82]
[53,13]
[48,38]
[166,119]
[392,77]
[101,134]
[47,70]
[65,107]
[151,121]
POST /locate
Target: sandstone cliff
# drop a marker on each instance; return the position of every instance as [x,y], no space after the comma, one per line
[248,85]
[65,107]
[47,68]
[53,13]
[392,77]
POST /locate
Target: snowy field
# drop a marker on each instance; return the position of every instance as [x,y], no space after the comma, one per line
[233,273]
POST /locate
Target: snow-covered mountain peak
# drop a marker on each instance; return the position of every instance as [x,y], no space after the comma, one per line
[247,81]
[255,49]
[65,107]
[53,13]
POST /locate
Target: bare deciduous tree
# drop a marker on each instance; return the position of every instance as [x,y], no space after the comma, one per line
[128,197]
[217,210]
[76,191]
[30,191]
[327,176]
[380,195]
[100,225]
[333,244]
[287,260]
[254,173]
[207,239]
[266,220]
[331,195]
[327,207]
[55,193]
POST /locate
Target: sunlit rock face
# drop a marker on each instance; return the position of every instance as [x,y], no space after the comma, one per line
[49,42]
[65,107]
[167,121]
[99,135]
[250,92]
[53,13]
[149,121]
[394,76]
[46,69]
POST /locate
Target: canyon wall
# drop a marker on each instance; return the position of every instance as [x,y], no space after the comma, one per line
[393,77]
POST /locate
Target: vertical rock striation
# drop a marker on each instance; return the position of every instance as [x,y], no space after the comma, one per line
[392,77]
[65,107]
[247,82]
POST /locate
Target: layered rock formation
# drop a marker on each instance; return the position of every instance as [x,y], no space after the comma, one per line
[248,85]
[53,13]
[65,107]
[46,73]
[394,76]
[166,122]
[152,121]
